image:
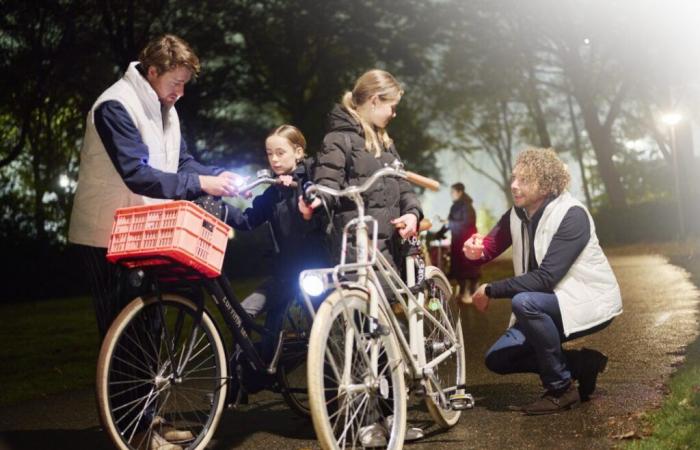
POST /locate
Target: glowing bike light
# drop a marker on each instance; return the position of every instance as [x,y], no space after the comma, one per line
[313,285]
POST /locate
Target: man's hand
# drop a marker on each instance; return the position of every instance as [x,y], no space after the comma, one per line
[225,184]
[480,299]
[308,210]
[407,225]
[474,247]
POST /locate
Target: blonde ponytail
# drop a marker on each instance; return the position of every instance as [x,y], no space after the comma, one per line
[374,82]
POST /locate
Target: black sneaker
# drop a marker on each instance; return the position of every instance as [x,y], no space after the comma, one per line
[554,401]
[592,363]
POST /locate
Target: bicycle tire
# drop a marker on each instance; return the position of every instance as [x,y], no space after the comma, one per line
[345,317]
[451,371]
[131,325]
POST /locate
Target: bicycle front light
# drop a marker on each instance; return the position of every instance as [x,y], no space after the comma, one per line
[313,284]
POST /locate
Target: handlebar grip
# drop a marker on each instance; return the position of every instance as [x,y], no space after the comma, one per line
[307,195]
[420,180]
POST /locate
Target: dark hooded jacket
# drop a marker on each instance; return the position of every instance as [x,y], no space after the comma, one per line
[343,161]
[299,244]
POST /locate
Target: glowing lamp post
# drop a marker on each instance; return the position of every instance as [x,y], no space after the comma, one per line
[671,119]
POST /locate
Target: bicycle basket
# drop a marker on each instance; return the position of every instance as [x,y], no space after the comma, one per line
[151,235]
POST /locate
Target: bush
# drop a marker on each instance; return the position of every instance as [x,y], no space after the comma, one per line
[642,222]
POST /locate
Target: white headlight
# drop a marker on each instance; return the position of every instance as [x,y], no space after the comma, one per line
[313,285]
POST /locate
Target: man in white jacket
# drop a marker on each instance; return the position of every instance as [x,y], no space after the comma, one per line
[133,154]
[563,286]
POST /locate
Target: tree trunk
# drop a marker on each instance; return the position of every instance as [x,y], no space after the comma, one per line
[535,109]
[579,152]
[601,140]
[39,212]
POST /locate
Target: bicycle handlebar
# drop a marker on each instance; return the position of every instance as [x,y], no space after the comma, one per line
[397,171]
[264,179]
[425,182]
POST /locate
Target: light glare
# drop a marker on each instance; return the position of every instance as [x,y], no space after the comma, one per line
[312,285]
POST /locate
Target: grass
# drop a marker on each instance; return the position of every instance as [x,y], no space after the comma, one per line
[676,424]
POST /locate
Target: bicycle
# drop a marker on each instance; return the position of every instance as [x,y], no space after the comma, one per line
[358,353]
[163,366]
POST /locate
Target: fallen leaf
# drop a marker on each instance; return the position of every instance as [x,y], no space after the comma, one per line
[628,435]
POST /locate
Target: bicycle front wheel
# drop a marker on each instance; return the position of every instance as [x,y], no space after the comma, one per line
[161,375]
[352,405]
[442,333]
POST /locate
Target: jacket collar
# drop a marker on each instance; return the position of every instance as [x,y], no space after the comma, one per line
[144,91]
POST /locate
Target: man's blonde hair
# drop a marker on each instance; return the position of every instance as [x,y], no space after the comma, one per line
[543,166]
[169,52]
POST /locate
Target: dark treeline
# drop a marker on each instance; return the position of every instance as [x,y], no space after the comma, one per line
[590,78]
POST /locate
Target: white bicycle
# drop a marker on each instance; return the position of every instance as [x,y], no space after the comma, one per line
[361,363]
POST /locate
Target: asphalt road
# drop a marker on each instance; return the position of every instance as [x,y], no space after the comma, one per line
[644,345]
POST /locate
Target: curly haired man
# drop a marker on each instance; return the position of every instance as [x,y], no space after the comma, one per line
[563,286]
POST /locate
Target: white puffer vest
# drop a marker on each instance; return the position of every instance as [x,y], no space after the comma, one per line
[588,294]
[101,189]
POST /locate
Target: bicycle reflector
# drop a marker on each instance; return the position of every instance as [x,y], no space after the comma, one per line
[313,284]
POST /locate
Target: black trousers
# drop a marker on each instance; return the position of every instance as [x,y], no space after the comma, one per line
[108,285]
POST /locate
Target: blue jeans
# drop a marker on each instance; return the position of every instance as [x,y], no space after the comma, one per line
[533,344]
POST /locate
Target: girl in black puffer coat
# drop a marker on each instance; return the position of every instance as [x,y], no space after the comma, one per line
[355,147]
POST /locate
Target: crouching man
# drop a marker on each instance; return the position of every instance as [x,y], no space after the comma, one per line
[563,286]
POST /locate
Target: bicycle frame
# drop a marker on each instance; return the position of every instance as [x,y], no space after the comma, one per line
[369,267]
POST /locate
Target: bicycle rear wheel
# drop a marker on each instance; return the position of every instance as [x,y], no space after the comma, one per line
[292,366]
[450,372]
[350,407]
[161,373]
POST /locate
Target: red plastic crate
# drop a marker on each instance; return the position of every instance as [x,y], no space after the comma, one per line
[179,230]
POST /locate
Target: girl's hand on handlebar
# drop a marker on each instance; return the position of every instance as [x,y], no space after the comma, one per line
[308,210]
[407,225]
[286,180]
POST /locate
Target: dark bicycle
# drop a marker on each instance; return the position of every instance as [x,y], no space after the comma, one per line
[164,368]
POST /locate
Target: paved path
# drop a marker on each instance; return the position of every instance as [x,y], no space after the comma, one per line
[644,345]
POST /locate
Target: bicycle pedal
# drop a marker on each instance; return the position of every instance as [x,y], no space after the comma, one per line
[460,402]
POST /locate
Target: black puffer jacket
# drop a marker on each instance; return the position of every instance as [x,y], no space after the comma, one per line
[343,161]
[299,244]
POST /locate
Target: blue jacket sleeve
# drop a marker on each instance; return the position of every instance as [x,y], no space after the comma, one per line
[129,154]
[567,244]
[259,213]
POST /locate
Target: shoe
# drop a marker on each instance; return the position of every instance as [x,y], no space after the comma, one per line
[593,363]
[553,402]
[374,435]
[377,434]
[412,433]
[170,433]
[156,442]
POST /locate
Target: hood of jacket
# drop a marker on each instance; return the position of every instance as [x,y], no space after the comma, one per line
[339,119]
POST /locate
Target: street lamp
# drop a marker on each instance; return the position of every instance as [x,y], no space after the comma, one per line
[672,119]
